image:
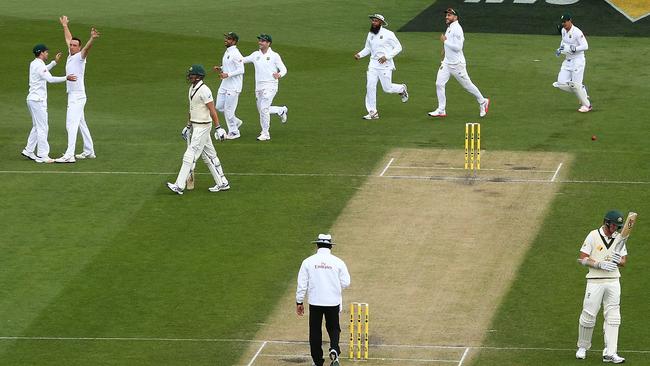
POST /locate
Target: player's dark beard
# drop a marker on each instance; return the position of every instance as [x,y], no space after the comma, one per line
[374,30]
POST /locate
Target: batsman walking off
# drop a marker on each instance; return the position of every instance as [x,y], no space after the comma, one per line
[603,286]
[202,110]
[322,277]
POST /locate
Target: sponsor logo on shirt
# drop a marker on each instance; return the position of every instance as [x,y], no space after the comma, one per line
[322,265]
[600,247]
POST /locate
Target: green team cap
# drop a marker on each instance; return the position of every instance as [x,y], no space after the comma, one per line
[232,35]
[452,11]
[39,48]
[614,217]
[566,16]
[196,70]
[265,37]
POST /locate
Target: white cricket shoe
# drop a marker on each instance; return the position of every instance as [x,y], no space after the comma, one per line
[28,155]
[85,155]
[484,107]
[174,188]
[233,135]
[581,353]
[613,358]
[263,137]
[404,94]
[438,113]
[371,115]
[219,188]
[65,159]
[283,116]
[45,159]
[584,109]
[239,123]
[334,356]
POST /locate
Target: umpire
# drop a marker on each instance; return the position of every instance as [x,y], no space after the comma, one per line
[322,277]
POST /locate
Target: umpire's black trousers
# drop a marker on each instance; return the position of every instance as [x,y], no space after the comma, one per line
[315,330]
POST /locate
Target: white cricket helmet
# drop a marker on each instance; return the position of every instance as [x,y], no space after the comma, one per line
[380,17]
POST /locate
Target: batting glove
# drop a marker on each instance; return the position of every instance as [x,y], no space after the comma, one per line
[616,258]
[220,134]
[608,266]
[185,134]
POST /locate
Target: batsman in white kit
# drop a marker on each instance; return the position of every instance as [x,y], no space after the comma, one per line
[603,252]
[75,119]
[573,47]
[202,115]
[454,64]
[39,76]
[231,73]
[269,68]
[382,45]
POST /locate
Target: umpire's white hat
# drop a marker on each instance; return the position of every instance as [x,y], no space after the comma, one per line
[324,239]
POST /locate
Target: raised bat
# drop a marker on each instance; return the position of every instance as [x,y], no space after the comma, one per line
[621,238]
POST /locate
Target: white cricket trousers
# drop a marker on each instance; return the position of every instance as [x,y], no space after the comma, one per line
[607,293]
[201,143]
[572,70]
[226,102]
[264,98]
[76,121]
[37,138]
[385,76]
[459,71]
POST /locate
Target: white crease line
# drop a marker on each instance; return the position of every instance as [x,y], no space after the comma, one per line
[557,171]
[462,359]
[257,354]
[387,166]
[485,169]
[369,358]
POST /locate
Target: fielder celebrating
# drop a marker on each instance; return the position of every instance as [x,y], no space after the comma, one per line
[39,76]
[75,119]
[573,47]
[269,68]
[382,45]
[322,277]
[454,64]
[603,286]
[231,73]
[201,112]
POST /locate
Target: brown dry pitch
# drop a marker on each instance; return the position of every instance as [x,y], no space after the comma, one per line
[432,252]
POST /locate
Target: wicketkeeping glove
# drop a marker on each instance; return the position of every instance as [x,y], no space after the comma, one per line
[573,49]
[607,266]
[558,52]
[220,134]
[616,258]
[185,133]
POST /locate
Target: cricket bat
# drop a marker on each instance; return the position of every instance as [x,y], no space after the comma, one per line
[621,238]
[189,184]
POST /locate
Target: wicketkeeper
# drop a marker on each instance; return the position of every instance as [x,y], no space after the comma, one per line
[603,286]
[202,113]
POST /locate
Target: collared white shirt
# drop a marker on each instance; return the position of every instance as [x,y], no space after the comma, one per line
[385,44]
[76,65]
[454,44]
[595,245]
[39,76]
[574,37]
[322,277]
[232,64]
[200,95]
[265,65]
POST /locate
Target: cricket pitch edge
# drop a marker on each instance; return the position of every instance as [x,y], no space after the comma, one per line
[432,253]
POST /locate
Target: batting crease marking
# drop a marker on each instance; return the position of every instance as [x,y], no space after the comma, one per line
[387,166]
[460,363]
[557,171]
[257,354]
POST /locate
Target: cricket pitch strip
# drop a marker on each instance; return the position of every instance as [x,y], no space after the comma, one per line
[432,251]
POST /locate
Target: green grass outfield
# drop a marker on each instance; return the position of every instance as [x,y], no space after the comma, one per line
[118,255]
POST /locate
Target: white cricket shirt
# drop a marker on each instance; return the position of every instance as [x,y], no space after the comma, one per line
[39,76]
[76,65]
[265,65]
[596,246]
[232,64]
[385,44]
[322,277]
[199,95]
[454,44]
[574,37]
